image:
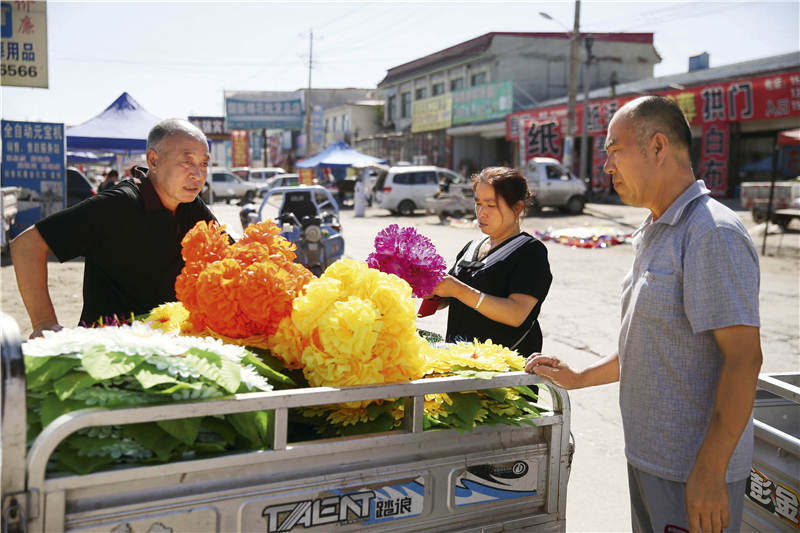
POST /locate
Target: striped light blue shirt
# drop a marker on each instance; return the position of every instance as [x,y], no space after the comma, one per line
[695,269]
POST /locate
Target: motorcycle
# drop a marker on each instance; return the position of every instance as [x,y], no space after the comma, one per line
[309,217]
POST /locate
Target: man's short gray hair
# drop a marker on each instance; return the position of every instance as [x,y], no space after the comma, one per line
[173,126]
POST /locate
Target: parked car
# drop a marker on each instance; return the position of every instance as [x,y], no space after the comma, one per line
[555,186]
[242,172]
[263,174]
[78,187]
[227,186]
[280,180]
[404,189]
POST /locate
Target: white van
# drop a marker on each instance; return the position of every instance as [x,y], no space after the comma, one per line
[404,189]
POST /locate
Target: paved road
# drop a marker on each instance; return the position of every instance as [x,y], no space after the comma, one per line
[580,321]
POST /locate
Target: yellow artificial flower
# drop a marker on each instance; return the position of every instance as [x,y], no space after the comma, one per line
[475,355]
[286,343]
[357,326]
[168,317]
[307,308]
[435,404]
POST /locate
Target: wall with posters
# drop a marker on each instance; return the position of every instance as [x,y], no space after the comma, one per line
[710,109]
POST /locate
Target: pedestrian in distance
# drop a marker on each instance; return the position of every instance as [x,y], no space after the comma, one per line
[360,194]
[130,234]
[109,181]
[496,289]
[689,344]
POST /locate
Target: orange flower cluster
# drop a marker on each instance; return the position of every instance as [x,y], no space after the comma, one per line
[241,289]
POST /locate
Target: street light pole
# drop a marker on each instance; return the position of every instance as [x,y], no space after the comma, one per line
[308,93]
[569,139]
[585,129]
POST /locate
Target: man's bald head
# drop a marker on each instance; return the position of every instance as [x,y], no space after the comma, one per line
[649,115]
[171,127]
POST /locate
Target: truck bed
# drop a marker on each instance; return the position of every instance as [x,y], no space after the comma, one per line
[492,479]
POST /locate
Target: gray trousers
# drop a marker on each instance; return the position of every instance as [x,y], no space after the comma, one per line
[659,505]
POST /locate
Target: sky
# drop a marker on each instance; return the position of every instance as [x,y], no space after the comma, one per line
[176,59]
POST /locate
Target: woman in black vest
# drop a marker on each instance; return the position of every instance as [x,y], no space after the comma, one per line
[497,286]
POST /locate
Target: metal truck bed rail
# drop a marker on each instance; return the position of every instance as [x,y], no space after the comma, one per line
[772,499]
[403,480]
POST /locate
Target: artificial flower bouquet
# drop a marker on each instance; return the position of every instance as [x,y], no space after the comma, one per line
[249,319]
[135,365]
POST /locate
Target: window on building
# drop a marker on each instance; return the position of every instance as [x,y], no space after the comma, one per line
[456,84]
[438,88]
[405,104]
[421,93]
[327,125]
[390,108]
[478,79]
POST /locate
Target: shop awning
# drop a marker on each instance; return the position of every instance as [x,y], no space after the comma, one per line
[789,137]
[489,130]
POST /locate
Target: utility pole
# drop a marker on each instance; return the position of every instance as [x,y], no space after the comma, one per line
[308,93]
[585,130]
[569,139]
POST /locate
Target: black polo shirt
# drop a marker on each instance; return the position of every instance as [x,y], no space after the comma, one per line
[525,270]
[132,246]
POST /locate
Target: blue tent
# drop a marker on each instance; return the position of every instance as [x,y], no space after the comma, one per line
[338,156]
[122,127]
[74,158]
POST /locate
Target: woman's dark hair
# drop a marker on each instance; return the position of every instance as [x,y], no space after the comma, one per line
[112,174]
[508,183]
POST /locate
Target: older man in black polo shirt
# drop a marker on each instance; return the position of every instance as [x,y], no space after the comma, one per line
[129,235]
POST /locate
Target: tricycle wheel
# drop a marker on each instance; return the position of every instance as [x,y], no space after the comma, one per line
[406,208]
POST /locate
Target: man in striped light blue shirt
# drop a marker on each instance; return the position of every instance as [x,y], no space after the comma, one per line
[689,345]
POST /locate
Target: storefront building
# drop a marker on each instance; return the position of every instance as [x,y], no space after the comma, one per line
[735,112]
[485,79]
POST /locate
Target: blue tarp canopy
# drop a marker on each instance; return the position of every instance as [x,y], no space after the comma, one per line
[122,127]
[89,158]
[339,155]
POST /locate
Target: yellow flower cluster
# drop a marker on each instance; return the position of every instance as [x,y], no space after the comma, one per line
[168,317]
[475,355]
[352,326]
[435,404]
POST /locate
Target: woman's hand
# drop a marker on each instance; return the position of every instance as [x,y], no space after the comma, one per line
[447,287]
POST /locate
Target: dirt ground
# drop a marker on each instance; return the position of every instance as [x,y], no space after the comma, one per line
[580,321]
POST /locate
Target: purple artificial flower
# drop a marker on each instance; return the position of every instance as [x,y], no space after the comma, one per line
[409,255]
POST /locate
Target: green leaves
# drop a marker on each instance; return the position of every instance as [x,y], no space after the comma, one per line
[101,364]
[215,368]
[43,370]
[96,377]
[256,427]
[184,429]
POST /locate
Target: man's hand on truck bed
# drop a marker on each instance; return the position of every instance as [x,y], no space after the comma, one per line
[600,373]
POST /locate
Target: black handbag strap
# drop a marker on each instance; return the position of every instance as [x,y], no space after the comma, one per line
[470,261]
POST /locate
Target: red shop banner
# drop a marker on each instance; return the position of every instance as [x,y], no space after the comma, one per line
[764,97]
[714,157]
[239,148]
[712,107]
[543,138]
